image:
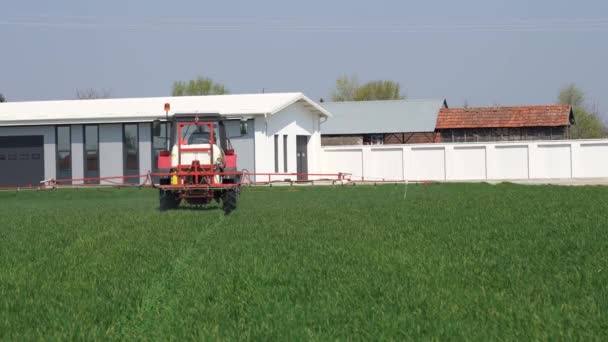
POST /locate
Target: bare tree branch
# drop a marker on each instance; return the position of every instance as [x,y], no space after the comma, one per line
[91,93]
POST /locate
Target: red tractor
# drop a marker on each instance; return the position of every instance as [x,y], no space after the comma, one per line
[201,163]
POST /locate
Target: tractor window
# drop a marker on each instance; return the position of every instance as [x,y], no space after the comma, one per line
[198,138]
[195,135]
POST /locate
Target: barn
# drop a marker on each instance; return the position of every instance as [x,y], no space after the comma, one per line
[514,123]
[76,139]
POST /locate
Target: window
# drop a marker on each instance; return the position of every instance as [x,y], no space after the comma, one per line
[91,152]
[130,148]
[12,157]
[373,139]
[198,135]
[64,152]
[285,154]
[2,157]
[458,135]
[159,143]
[35,156]
[24,156]
[276,153]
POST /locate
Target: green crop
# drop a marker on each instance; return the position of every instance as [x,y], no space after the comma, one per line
[453,261]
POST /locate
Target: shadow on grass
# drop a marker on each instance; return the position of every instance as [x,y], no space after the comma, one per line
[188,207]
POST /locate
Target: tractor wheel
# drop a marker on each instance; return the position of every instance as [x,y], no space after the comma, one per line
[168,200]
[229,200]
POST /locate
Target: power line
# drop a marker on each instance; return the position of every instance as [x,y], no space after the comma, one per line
[270,25]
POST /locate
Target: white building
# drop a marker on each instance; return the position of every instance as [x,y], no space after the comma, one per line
[95,138]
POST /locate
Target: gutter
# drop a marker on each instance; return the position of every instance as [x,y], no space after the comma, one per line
[13,123]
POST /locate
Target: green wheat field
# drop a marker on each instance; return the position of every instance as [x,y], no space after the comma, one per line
[454,261]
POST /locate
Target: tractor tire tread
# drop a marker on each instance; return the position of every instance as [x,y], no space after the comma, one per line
[230,200]
[168,201]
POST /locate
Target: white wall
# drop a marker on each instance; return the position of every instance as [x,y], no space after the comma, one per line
[292,121]
[470,162]
[145,149]
[590,159]
[110,152]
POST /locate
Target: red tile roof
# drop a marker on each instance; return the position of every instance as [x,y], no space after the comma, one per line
[497,117]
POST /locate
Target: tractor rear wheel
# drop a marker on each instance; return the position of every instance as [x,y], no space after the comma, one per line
[168,200]
[230,198]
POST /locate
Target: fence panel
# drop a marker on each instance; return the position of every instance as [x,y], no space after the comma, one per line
[466,162]
[427,163]
[508,162]
[471,162]
[592,161]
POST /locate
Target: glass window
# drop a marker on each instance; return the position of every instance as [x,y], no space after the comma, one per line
[63,138]
[373,139]
[159,143]
[276,153]
[131,152]
[64,152]
[91,152]
[193,135]
[91,139]
[285,154]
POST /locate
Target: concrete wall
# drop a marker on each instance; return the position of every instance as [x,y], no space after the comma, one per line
[471,162]
[145,149]
[110,152]
[48,132]
[292,121]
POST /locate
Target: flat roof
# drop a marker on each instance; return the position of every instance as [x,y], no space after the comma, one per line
[147,109]
[393,116]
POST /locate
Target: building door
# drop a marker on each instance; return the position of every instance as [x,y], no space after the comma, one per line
[302,156]
[21,160]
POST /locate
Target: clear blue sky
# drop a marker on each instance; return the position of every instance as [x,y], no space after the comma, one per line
[488,52]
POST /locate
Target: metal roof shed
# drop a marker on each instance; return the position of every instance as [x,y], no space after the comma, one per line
[371,117]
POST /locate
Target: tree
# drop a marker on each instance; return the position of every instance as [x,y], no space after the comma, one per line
[346,87]
[379,90]
[90,94]
[2,98]
[572,95]
[349,89]
[587,122]
[587,126]
[198,86]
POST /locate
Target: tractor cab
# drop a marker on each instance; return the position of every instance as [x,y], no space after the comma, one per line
[200,161]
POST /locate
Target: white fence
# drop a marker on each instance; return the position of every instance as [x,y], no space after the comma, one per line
[470,162]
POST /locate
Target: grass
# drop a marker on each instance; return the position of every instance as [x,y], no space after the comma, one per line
[458,261]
